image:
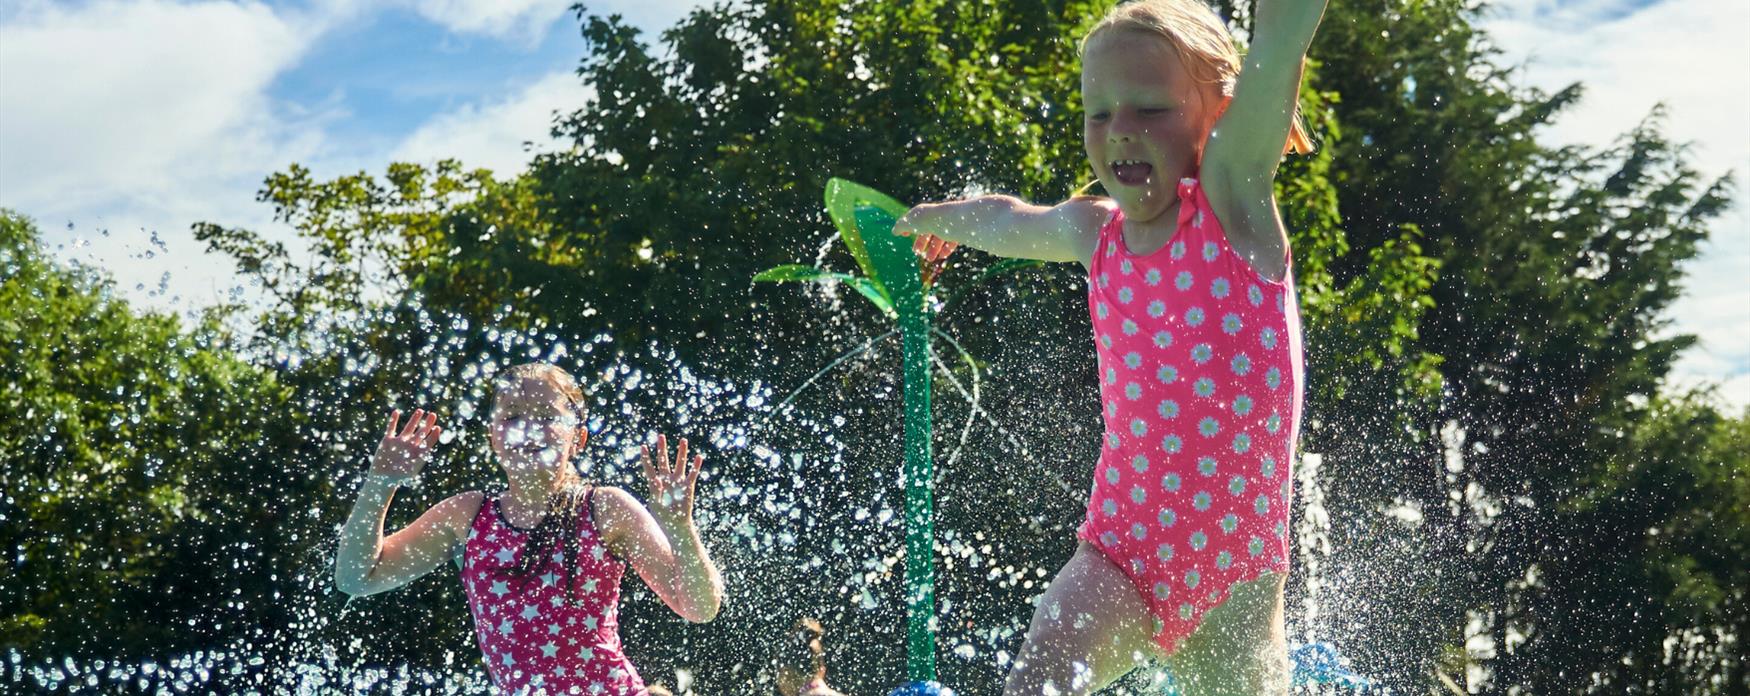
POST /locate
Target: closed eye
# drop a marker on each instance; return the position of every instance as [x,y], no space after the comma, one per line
[542,418]
[1098,117]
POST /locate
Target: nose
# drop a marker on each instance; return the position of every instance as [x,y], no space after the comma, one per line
[1121,130]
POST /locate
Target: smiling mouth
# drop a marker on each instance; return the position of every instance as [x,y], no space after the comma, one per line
[1131,172]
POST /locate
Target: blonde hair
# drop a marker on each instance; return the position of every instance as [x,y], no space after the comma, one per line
[1203,43]
[552,374]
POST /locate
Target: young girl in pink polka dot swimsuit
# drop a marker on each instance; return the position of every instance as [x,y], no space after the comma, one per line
[1183,550]
[1200,374]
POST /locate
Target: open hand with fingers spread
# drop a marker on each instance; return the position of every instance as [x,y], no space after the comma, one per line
[671,481]
[402,454]
[660,538]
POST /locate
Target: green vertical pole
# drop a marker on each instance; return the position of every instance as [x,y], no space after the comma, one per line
[920,513]
[897,268]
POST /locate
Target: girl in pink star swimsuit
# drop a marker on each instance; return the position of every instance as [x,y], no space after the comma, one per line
[540,563]
[1183,549]
[560,632]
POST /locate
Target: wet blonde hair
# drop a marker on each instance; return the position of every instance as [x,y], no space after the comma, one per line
[1203,43]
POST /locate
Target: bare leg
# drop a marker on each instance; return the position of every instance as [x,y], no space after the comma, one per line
[1241,647]
[1091,627]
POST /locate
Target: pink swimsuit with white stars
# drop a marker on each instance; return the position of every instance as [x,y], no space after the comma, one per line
[534,639]
[1200,380]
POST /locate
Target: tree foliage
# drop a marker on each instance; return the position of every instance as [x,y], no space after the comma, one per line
[126,432]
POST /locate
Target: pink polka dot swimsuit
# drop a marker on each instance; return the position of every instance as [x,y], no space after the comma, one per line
[534,639]
[1200,383]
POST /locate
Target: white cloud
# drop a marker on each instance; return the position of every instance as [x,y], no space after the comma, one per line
[502,133]
[493,134]
[116,98]
[1691,55]
[503,18]
[125,122]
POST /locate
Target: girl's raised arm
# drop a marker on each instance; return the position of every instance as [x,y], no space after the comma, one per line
[1248,141]
[366,563]
[1007,226]
[661,543]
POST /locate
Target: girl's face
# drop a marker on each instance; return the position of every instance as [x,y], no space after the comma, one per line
[1144,119]
[535,426]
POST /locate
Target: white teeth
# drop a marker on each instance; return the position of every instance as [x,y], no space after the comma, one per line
[1121,163]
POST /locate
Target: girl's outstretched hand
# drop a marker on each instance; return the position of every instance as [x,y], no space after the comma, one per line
[671,481]
[932,250]
[933,254]
[402,454]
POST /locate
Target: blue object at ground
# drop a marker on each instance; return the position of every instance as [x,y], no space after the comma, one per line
[922,689]
[1320,663]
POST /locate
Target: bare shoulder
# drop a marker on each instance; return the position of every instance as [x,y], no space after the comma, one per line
[1246,208]
[614,497]
[1085,214]
[457,511]
[466,500]
[613,507]
[1081,218]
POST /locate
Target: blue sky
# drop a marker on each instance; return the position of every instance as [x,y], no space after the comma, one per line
[393,70]
[122,122]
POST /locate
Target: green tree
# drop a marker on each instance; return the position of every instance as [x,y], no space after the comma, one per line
[1665,522]
[127,436]
[1557,265]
